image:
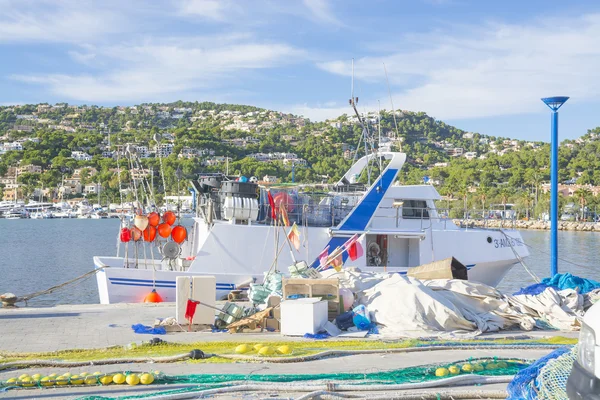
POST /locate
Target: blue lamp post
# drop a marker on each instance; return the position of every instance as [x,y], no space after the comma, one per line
[554,103]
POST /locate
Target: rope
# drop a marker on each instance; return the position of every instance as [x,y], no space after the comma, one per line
[53,288]
[533,275]
[330,387]
[445,395]
[54,363]
[339,353]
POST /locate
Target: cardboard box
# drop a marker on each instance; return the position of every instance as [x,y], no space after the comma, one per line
[302,316]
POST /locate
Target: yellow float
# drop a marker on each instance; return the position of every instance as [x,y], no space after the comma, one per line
[119,379]
[146,379]
[132,379]
[242,348]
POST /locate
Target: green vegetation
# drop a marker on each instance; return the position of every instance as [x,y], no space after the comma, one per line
[499,171]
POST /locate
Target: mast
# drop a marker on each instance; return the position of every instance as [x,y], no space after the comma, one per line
[353,100]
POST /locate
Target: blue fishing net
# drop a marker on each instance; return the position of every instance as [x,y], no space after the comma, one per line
[520,387]
[561,282]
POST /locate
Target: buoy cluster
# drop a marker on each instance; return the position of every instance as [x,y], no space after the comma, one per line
[469,368]
[149,227]
[83,378]
[263,350]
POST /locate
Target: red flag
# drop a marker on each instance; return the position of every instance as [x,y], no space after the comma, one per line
[355,250]
[190,310]
[272,204]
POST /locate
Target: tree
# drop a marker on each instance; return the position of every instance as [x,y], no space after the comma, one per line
[582,194]
[482,193]
[504,196]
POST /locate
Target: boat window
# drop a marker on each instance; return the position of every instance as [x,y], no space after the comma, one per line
[415,209]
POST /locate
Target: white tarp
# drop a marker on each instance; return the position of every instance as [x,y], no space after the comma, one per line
[405,306]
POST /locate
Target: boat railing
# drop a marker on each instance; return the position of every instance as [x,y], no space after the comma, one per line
[317,215]
[427,216]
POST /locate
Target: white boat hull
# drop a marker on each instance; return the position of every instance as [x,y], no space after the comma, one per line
[131,285]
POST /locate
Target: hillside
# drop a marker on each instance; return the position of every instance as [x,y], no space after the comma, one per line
[57,141]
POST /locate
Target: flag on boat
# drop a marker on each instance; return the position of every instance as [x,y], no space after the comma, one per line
[322,257]
[272,204]
[354,248]
[338,261]
[294,237]
[284,214]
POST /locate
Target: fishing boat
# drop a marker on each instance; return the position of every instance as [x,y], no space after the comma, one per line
[234,236]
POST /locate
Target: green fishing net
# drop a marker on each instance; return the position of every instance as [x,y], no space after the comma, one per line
[427,373]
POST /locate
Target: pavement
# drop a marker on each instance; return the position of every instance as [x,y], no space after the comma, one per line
[98,326]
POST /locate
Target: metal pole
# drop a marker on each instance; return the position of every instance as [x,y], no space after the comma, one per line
[554,196]
[554,103]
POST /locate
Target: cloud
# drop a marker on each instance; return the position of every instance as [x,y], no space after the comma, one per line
[175,66]
[209,9]
[60,20]
[321,11]
[488,70]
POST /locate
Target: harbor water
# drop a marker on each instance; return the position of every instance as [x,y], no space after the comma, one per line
[37,254]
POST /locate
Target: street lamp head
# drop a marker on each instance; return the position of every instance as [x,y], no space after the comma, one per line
[555,102]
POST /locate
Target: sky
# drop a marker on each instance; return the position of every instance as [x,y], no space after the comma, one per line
[479,65]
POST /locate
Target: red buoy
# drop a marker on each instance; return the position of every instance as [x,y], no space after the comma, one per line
[149,233]
[164,230]
[125,235]
[153,297]
[179,234]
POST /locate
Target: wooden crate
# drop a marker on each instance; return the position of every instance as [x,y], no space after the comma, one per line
[328,289]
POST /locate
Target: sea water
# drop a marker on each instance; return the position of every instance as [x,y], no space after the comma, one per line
[36,254]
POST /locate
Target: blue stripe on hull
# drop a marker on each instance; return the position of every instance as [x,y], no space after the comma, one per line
[167,284]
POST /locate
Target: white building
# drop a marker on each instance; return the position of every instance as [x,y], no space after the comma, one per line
[163,149]
[81,156]
[92,188]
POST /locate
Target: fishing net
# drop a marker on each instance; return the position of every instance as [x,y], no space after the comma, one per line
[552,380]
[544,379]
[480,366]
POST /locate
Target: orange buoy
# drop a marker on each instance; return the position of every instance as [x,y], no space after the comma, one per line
[169,217]
[153,297]
[282,199]
[153,219]
[149,233]
[164,230]
[179,234]
[136,233]
[125,235]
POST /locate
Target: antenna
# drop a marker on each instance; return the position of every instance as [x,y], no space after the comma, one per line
[379,139]
[365,133]
[352,82]
[392,102]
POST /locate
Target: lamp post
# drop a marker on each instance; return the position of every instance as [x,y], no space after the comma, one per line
[554,103]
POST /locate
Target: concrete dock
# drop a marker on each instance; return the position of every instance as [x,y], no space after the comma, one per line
[100,326]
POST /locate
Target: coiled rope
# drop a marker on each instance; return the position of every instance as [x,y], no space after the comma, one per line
[275,360]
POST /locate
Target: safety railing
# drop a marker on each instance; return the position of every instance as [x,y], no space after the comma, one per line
[427,216]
